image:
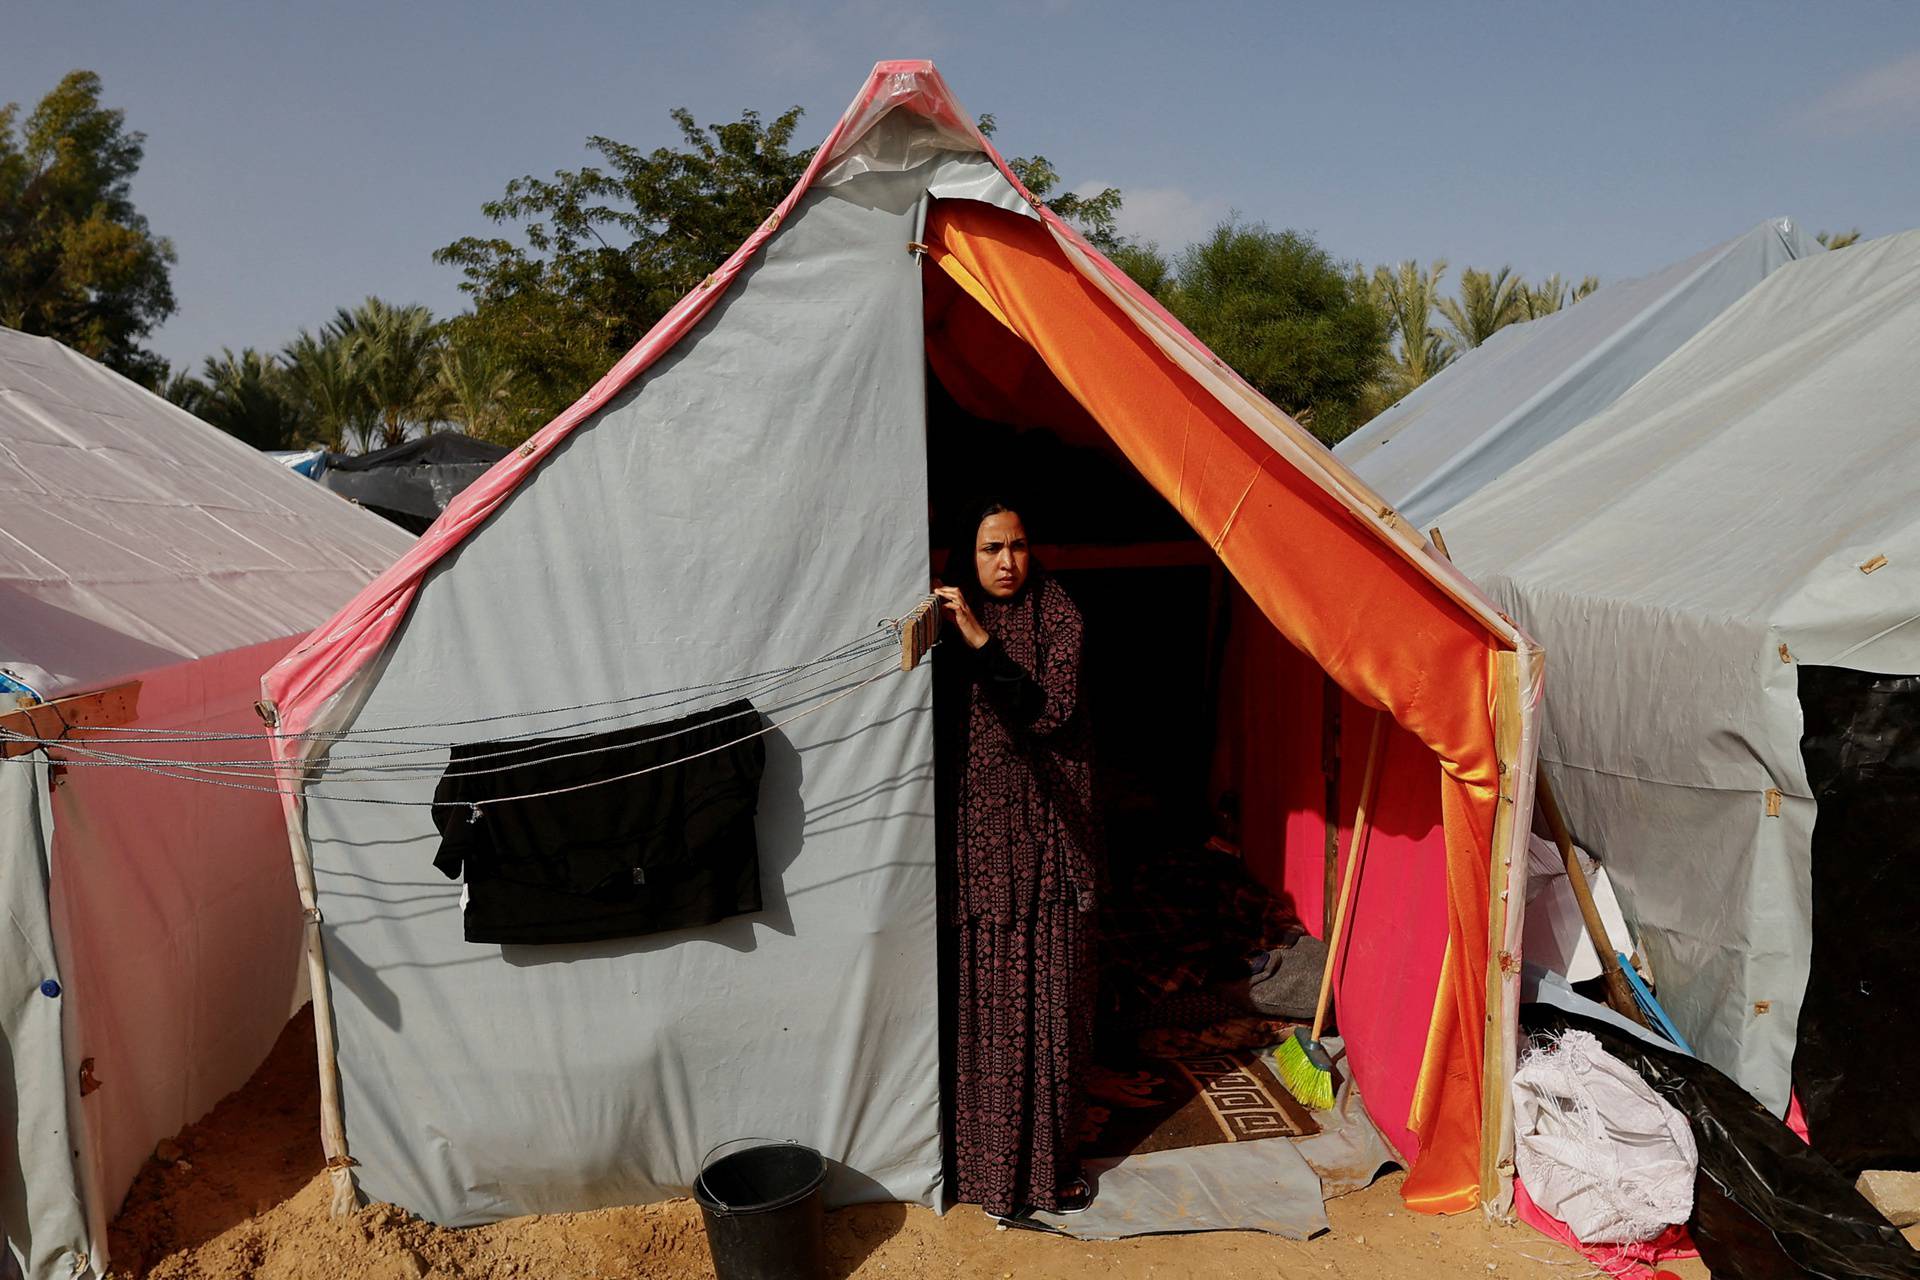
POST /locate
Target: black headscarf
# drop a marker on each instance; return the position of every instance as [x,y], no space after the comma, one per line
[962,570]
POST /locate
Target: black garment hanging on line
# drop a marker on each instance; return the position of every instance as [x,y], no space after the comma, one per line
[672,848]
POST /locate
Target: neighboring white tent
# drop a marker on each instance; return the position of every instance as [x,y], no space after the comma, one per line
[151,929]
[1530,384]
[1748,509]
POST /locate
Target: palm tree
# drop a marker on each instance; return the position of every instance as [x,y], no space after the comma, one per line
[1839,239]
[396,352]
[323,376]
[1543,299]
[182,388]
[1488,303]
[1407,294]
[475,390]
[243,396]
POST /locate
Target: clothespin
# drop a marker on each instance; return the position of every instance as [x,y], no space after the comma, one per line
[917,633]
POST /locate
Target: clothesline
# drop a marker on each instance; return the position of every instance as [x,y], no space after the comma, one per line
[309,793]
[334,770]
[887,633]
[424,753]
[248,773]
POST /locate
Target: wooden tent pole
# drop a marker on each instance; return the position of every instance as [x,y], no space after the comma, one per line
[1497,1049]
[1619,994]
[35,721]
[333,1126]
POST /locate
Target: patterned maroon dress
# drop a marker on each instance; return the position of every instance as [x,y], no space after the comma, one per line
[1021,910]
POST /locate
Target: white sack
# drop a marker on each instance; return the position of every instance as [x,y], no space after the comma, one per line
[1596,1147]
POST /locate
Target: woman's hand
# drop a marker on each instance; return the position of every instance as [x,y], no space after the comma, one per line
[959,614]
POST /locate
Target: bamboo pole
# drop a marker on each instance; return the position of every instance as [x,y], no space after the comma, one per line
[1619,994]
[1361,822]
[1497,1048]
[333,1127]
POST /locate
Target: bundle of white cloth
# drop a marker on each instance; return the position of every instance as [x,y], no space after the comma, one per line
[1596,1147]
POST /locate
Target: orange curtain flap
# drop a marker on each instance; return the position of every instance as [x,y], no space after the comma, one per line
[1322,576]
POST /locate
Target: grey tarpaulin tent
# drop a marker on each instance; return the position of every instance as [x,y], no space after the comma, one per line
[747,490]
[151,568]
[1748,510]
[1530,384]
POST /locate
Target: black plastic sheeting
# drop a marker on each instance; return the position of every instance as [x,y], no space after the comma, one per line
[412,483]
[1765,1205]
[1856,1067]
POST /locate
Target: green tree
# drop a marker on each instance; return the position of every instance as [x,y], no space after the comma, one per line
[602,252]
[395,353]
[1488,303]
[323,376]
[1147,265]
[244,396]
[476,390]
[1408,294]
[77,260]
[1839,239]
[1286,317]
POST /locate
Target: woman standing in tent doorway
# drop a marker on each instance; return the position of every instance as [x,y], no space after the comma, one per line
[1023,833]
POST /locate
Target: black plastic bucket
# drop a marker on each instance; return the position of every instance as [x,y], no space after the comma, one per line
[764,1214]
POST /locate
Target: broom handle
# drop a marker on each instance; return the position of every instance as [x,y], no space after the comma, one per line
[1351,875]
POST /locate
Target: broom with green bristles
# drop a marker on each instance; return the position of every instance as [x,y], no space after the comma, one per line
[1301,1061]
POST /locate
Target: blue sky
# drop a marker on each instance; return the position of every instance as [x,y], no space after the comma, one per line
[302,157]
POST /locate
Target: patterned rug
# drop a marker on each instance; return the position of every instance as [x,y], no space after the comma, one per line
[1162,1104]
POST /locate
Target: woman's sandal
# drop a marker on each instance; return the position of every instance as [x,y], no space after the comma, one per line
[1077,1198]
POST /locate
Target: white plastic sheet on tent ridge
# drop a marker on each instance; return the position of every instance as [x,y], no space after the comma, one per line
[1680,555]
[137,536]
[1530,384]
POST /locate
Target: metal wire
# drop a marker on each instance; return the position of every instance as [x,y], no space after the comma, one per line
[310,793]
[533,742]
[334,771]
[889,629]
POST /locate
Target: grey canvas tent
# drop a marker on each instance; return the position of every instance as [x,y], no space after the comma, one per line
[1724,565]
[1532,383]
[151,569]
[737,509]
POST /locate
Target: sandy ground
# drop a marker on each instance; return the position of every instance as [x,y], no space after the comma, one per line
[240,1196]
